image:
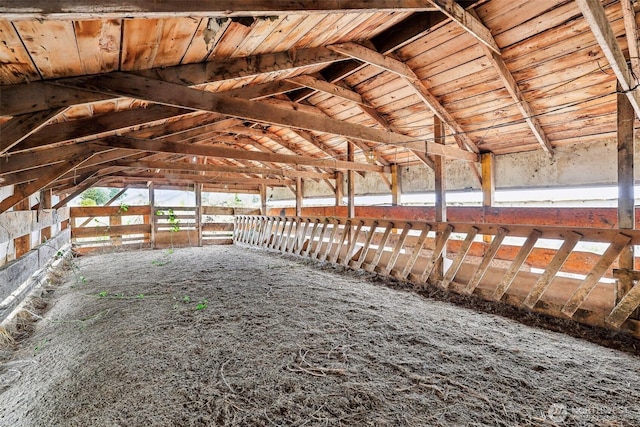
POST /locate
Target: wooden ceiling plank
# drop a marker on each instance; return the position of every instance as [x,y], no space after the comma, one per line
[186,177]
[594,14]
[89,9]
[23,126]
[467,21]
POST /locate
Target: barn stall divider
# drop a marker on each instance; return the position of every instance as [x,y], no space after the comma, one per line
[570,273]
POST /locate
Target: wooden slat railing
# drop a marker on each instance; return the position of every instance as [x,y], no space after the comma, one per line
[145,227]
[453,256]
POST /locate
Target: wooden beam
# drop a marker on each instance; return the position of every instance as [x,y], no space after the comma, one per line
[181,96]
[440,187]
[263,199]
[286,173]
[396,186]
[631,31]
[38,96]
[86,9]
[101,125]
[191,178]
[467,21]
[626,191]
[24,125]
[339,188]
[48,175]
[211,151]
[594,14]
[299,196]
[393,65]
[351,184]
[488,179]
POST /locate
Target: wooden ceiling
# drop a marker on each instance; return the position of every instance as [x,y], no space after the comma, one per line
[268,92]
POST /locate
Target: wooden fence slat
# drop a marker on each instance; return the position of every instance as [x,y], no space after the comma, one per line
[312,236]
[486,260]
[323,231]
[536,292]
[596,273]
[511,273]
[286,233]
[396,251]
[336,252]
[352,243]
[383,242]
[416,252]
[332,238]
[276,233]
[625,307]
[441,244]
[367,243]
[302,237]
[293,239]
[450,275]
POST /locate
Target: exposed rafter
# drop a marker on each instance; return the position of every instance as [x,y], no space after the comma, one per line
[516,94]
[467,21]
[594,14]
[180,96]
[38,96]
[405,72]
[212,151]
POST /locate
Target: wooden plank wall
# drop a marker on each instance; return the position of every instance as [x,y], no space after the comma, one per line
[44,233]
[561,284]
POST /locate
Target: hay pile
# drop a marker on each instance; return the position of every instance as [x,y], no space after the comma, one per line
[229,336]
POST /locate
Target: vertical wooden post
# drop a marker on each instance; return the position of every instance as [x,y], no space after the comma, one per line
[22,244]
[198,191]
[339,188]
[263,199]
[488,185]
[152,215]
[299,196]
[351,185]
[626,196]
[396,185]
[440,190]
[45,203]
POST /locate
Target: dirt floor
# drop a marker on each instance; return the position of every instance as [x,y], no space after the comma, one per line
[232,336]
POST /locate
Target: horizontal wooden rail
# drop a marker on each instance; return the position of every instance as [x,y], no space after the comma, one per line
[146,226]
[454,256]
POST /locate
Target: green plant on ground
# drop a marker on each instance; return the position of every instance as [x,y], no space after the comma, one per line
[202,304]
[186,299]
[103,294]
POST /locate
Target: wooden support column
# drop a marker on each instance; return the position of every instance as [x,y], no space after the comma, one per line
[351,185]
[45,203]
[198,191]
[396,185]
[263,199]
[626,196]
[488,184]
[152,215]
[440,189]
[339,188]
[299,196]
[22,244]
